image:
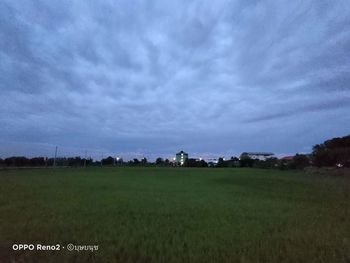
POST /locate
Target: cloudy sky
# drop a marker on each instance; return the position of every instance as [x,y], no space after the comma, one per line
[150,78]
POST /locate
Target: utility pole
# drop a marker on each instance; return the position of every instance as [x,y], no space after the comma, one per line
[85,159]
[101,159]
[54,160]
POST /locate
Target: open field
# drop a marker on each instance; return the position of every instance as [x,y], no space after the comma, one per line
[175,215]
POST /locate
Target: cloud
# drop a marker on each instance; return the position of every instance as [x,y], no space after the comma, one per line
[305,109]
[155,77]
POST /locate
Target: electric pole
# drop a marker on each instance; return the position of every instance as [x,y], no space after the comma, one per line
[85,159]
[54,160]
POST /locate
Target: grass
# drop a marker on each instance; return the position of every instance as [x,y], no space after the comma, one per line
[175,215]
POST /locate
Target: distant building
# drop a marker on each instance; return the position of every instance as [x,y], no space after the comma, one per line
[287,158]
[212,161]
[181,157]
[257,155]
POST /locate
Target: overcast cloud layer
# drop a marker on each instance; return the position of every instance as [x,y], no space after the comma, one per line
[154,77]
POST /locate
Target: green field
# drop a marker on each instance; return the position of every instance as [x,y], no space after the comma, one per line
[175,215]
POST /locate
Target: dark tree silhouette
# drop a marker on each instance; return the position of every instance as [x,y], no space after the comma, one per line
[334,152]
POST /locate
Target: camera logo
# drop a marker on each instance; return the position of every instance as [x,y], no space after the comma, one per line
[23,247]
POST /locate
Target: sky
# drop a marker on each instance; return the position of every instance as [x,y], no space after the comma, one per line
[151,78]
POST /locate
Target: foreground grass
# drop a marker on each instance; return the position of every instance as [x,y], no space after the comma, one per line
[175,215]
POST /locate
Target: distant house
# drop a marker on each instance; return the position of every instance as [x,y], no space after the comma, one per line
[257,155]
[212,162]
[287,158]
[181,157]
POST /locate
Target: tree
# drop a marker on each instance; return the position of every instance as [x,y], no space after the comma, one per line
[87,161]
[75,161]
[332,152]
[108,161]
[17,161]
[190,162]
[300,161]
[233,162]
[202,163]
[266,164]
[119,161]
[144,161]
[246,161]
[221,163]
[159,161]
[37,161]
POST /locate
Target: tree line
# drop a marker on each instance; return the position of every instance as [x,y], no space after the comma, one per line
[333,152]
[299,161]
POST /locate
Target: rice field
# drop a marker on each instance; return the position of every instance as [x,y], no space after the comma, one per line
[174,215]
